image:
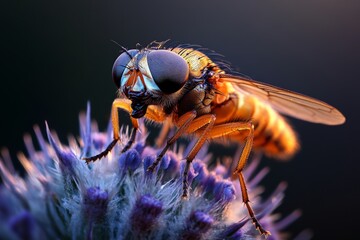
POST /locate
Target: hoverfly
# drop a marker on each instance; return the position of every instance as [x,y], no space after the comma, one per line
[181,86]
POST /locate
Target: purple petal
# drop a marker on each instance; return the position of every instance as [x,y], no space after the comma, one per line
[67,158]
[85,130]
[233,231]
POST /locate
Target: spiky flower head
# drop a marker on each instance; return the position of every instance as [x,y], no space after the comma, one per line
[62,197]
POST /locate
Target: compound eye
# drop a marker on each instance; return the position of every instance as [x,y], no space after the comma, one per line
[120,65]
[169,70]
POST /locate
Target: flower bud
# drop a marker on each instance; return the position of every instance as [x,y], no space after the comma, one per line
[145,213]
[129,160]
[197,225]
[224,190]
[95,203]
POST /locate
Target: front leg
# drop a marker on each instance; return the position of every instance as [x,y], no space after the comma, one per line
[125,105]
[206,123]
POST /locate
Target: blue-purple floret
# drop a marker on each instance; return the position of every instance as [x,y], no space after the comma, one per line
[95,203]
[198,224]
[62,197]
[130,160]
[224,191]
[145,213]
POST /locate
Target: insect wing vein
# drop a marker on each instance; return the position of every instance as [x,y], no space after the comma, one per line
[287,102]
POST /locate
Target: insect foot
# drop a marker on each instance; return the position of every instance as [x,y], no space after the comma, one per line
[102,154]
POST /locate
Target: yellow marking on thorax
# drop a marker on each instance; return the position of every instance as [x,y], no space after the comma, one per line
[197,60]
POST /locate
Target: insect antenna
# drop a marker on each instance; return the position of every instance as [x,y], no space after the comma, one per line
[125,66]
[123,49]
[162,44]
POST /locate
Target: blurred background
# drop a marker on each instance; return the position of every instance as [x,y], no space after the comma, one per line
[56,56]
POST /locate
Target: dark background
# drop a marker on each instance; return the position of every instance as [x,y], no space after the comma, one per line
[55,56]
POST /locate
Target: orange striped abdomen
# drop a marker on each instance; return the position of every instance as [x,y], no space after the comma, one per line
[272,134]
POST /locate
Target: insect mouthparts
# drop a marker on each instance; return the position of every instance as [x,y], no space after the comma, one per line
[139,109]
[138,102]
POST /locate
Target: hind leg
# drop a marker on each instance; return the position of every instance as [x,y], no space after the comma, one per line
[223,130]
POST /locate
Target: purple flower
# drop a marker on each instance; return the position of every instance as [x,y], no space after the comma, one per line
[62,197]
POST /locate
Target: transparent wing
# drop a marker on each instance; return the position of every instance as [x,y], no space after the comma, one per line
[287,102]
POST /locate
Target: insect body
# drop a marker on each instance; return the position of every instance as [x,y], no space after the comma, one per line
[183,87]
[272,134]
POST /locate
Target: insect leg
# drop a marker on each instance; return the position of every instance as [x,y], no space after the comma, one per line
[163,133]
[125,105]
[206,121]
[131,140]
[184,122]
[231,128]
